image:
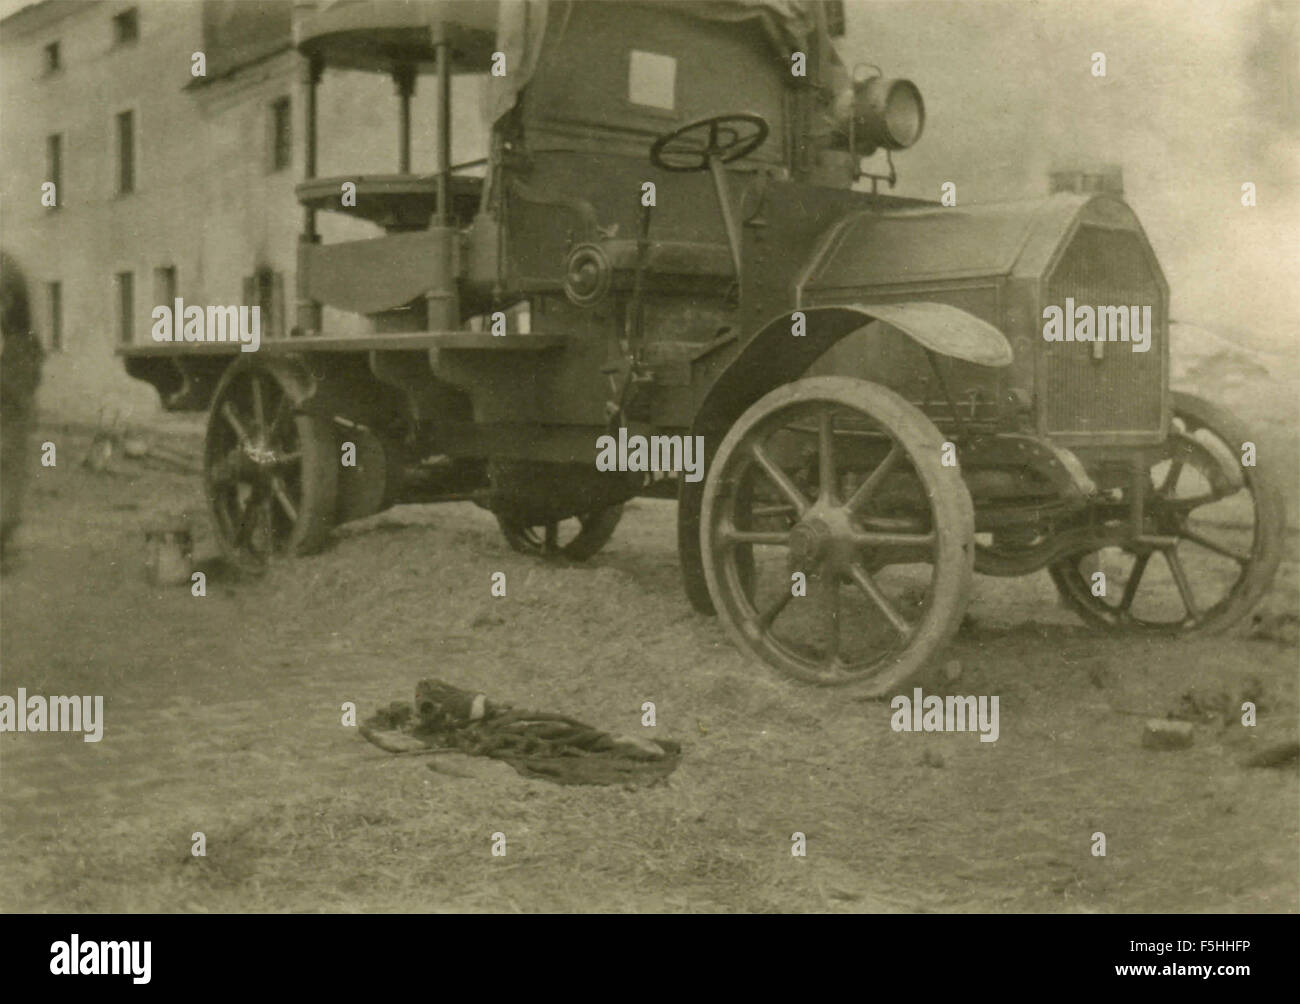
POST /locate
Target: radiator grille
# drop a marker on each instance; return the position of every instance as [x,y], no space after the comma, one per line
[1122,391]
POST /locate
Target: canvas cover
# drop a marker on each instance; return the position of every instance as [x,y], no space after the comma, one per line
[522,27]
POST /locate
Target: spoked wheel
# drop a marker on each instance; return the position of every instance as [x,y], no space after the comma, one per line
[271,472]
[374,481]
[562,538]
[840,480]
[1220,526]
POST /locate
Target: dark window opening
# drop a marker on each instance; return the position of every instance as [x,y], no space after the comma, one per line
[281,134]
[125,152]
[56,316]
[125,307]
[164,286]
[53,62]
[126,27]
[835,26]
[54,165]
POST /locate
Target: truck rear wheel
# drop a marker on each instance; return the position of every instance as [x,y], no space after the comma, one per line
[270,470]
[559,538]
[837,546]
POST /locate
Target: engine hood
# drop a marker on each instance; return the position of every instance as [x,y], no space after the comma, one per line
[886,250]
[1005,264]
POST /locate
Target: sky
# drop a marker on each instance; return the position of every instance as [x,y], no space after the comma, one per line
[1199,97]
[8,7]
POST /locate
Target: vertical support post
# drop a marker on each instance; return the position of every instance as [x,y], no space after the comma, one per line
[443,298]
[309,310]
[311,74]
[442,49]
[404,78]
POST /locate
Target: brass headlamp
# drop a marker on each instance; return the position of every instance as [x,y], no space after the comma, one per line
[879,112]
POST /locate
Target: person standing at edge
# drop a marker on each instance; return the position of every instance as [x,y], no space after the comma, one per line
[20,372]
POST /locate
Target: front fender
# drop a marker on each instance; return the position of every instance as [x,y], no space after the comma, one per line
[775,355]
[942,328]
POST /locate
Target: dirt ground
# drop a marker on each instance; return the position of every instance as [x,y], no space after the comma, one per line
[223,716]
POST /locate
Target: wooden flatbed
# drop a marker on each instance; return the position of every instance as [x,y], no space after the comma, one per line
[474,341]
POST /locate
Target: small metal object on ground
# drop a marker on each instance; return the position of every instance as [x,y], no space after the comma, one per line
[169,548]
[1160,734]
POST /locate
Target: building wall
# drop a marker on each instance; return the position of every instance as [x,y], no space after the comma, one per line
[205,202]
[96,233]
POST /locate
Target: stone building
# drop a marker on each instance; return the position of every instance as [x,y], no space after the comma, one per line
[168,181]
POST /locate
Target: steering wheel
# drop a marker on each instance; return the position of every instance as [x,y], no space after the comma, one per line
[723,138]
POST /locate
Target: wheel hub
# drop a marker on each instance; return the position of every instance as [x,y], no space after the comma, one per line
[262,456]
[809,541]
[822,538]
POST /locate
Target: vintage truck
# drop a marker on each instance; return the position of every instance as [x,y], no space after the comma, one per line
[669,237]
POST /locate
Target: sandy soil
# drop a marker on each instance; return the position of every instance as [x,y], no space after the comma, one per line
[223,715]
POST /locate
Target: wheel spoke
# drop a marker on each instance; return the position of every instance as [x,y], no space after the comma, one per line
[1194,501]
[826,455]
[247,519]
[773,609]
[767,511]
[282,496]
[268,519]
[868,585]
[259,412]
[1210,545]
[1171,478]
[232,417]
[779,478]
[226,470]
[873,538]
[732,536]
[859,499]
[833,612]
[281,410]
[1180,578]
[1134,577]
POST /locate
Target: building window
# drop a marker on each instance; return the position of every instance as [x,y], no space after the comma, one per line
[54,165]
[125,152]
[164,286]
[281,138]
[55,291]
[125,307]
[53,61]
[126,27]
